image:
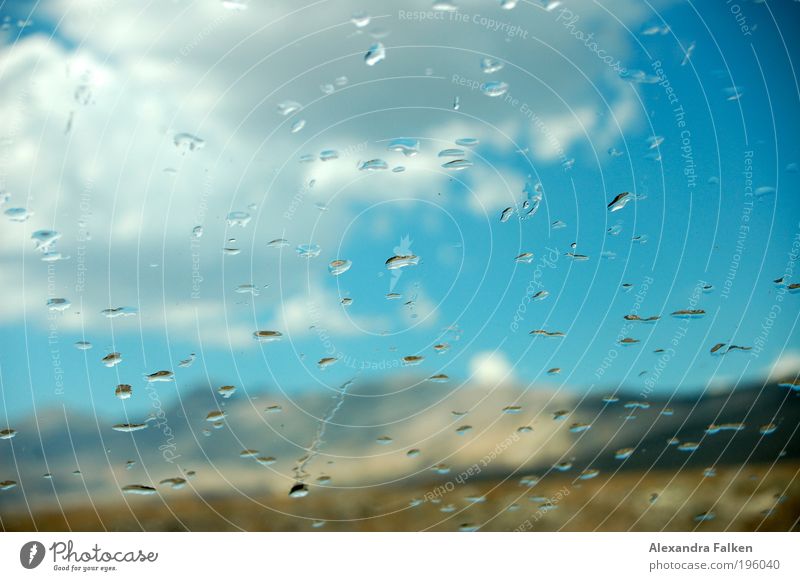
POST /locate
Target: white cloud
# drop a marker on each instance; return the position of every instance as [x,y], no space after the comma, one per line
[787,365]
[490,369]
[145,72]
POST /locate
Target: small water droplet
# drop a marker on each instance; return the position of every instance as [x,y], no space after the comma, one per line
[186,142]
[267,336]
[360,19]
[238,219]
[57,304]
[308,250]
[339,266]
[375,54]
[374,165]
[298,125]
[457,164]
[495,88]
[490,65]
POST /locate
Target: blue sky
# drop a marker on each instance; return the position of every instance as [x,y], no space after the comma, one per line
[130,78]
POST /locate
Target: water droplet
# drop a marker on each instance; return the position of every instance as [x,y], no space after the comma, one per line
[445,6]
[159,376]
[138,489]
[441,348]
[407,146]
[216,416]
[246,289]
[7,433]
[43,239]
[688,446]
[339,266]
[704,516]
[467,142]
[733,93]
[495,88]
[58,304]
[540,295]
[123,391]
[112,359]
[299,490]
[360,19]
[729,427]
[308,250]
[457,164]
[115,312]
[328,155]
[129,427]
[226,391]
[524,258]
[401,261]
[238,219]
[688,314]
[298,125]
[375,54]
[53,257]
[654,141]
[286,108]
[439,378]
[374,165]
[173,483]
[490,65]
[267,336]
[186,142]
[411,360]
[326,362]
[543,333]
[452,153]
[619,201]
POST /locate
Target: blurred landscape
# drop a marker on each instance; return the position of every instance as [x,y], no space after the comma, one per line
[496,476]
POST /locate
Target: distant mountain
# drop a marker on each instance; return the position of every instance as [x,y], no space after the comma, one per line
[512,429]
